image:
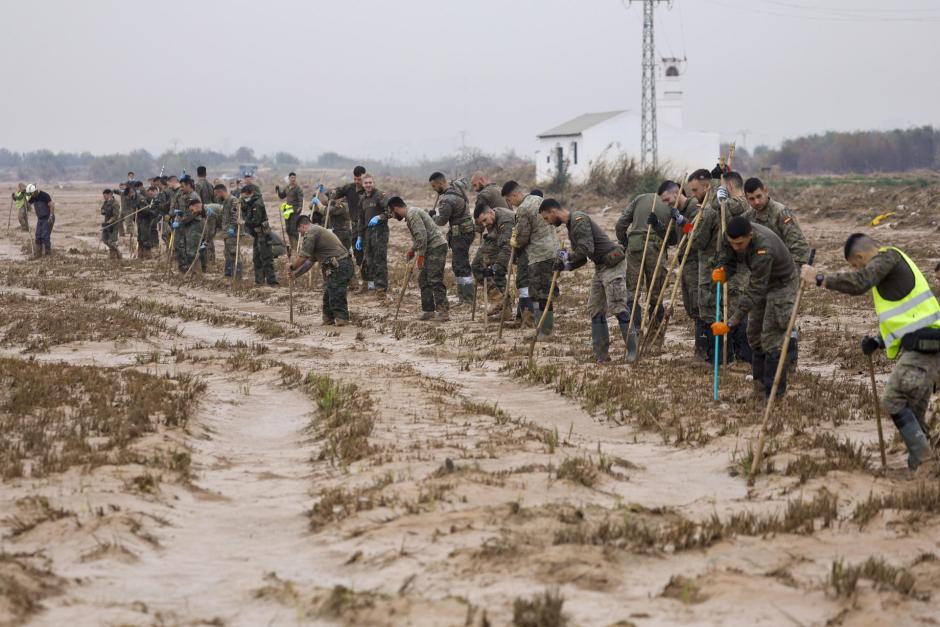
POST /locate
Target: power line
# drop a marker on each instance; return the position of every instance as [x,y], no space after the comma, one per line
[846,18]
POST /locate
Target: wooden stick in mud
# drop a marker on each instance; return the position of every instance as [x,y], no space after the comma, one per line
[548,304]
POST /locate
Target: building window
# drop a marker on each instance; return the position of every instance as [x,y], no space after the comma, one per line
[574,152]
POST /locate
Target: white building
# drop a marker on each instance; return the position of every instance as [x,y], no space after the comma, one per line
[593,137]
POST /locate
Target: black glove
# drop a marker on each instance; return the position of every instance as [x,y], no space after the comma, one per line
[718,171]
[559,265]
[652,220]
[432,212]
[487,273]
[871,344]
[277,188]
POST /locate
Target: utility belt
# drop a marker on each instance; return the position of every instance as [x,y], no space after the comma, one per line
[613,258]
[463,228]
[332,263]
[925,341]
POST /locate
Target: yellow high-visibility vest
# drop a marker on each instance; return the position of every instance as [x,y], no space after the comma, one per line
[287,210]
[918,310]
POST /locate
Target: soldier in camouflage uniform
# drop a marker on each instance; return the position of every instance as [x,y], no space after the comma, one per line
[228,218]
[608,289]
[206,193]
[909,331]
[111,217]
[373,237]
[352,192]
[536,250]
[321,245]
[166,201]
[430,247]
[491,260]
[488,194]
[339,219]
[683,210]
[768,298]
[147,216]
[190,230]
[256,225]
[647,212]
[453,211]
[776,217]
[293,197]
[706,242]
[21,201]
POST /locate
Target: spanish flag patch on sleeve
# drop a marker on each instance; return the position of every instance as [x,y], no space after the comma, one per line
[761,251]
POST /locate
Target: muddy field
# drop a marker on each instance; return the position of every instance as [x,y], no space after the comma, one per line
[177,453]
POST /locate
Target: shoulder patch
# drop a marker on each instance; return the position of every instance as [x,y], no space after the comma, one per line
[579,218]
[761,251]
[787,220]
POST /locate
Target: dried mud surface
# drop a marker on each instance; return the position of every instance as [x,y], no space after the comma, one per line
[422,474]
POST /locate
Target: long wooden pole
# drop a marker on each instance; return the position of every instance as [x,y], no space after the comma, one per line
[647,322]
[781,365]
[507,299]
[486,305]
[404,287]
[724,346]
[202,234]
[647,341]
[238,240]
[877,404]
[639,280]
[548,303]
[290,278]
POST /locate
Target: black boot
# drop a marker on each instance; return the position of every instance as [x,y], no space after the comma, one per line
[600,339]
[771,360]
[793,353]
[918,446]
[229,268]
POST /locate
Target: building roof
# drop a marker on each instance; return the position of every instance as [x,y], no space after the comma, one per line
[580,124]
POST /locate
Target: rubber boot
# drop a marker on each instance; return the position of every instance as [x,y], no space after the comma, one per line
[229,268]
[465,293]
[757,370]
[793,352]
[549,325]
[771,360]
[701,350]
[630,339]
[600,338]
[918,446]
[536,314]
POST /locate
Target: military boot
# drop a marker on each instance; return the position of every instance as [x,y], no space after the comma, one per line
[496,302]
[793,353]
[918,446]
[549,325]
[465,293]
[600,340]
[229,268]
[771,360]
[630,340]
[441,315]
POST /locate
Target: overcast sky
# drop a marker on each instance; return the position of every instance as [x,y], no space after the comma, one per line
[407,78]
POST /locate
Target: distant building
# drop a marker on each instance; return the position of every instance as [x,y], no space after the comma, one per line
[592,137]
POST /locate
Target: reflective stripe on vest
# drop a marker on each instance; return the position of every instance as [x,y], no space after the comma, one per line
[917,310]
[287,210]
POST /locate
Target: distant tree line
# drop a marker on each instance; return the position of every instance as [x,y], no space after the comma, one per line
[859,152]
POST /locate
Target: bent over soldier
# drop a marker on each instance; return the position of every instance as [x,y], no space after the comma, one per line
[322,245]
[430,248]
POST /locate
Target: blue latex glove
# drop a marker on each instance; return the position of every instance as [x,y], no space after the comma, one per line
[374,221]
[321,189]
[359,244]
[723,194]
[175,225]
[231,231]
[314,202]
[209,211]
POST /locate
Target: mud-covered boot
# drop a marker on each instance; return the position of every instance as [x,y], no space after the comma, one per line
[465,293]
[630,340]
[918,446]
[600,339]
[771,360]
[793,351]
[757,371]
[548,326]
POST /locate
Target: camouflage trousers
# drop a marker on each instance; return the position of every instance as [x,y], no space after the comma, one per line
[706,290]
[522,269]
[336,277]
[147,237]
[262,258]
[187,247]
[768,320]
[110,236]
[375,264]
[22,215]
[608,290]
[634,259]
[431,280]
[690,285]
[911,383]
[540,279]
[345,237]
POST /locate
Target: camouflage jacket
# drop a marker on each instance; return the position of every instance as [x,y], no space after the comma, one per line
[632,226]
[203,189]
[887,271]
[770,264]
[490,197]
[533,234]
[293,195]
[452,207]
[424,232]
[353,196]
[588,240]
[497,237]
[255,214]
[705,238]
[371,206]
[229,213]
[321,245]
[339,215]
[778,219]
[110,212]
[181,200]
